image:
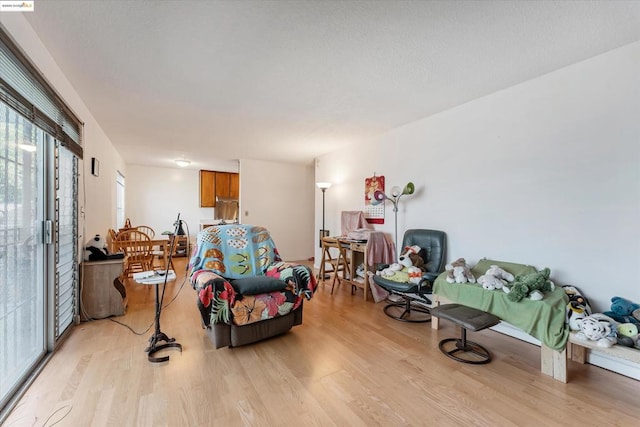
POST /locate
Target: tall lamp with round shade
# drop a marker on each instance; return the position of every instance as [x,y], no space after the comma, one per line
[396,193]
[323,186]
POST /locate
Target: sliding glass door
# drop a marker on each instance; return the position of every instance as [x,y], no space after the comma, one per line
[22,249]
[40,147]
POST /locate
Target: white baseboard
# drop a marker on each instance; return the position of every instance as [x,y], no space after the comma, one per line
[615,364]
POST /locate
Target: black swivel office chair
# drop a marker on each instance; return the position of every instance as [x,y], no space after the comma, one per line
[414,295]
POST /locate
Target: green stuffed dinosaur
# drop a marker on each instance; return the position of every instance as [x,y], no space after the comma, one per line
[532,285]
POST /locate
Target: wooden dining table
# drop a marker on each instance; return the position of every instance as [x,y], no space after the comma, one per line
[164,244]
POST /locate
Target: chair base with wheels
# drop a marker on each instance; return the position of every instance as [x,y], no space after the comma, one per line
[409,308]
[468,319]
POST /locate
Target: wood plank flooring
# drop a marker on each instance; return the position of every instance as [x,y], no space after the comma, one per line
[347,365]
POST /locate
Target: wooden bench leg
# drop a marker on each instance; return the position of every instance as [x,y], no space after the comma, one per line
[577,353]
[435,322]
[554,363]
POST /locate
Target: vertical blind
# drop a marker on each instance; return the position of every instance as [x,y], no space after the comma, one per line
[66,209]
[26,91]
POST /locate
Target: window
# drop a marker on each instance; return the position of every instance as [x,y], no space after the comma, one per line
[120,200]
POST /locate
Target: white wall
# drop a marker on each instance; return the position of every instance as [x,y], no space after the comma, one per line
[154,196]
[546,173]
[100,200]
[279,196]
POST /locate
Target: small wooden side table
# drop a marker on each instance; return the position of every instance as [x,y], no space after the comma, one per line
[358,255]
[100,295]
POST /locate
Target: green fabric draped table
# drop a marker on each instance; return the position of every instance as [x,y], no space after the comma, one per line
[544,319]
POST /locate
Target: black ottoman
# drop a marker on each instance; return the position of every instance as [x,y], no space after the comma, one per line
[467,318]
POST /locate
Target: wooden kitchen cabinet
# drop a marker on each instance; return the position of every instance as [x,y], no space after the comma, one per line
[234,185]
[223,184]
[220,184]
[207,189]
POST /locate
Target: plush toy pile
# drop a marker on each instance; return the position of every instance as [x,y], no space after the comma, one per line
[495,278]
[96,249]
[458,272]
[618,326]
[624,311]
[599,328]
[628,335]
[532,285]
[578,307]
[409,267]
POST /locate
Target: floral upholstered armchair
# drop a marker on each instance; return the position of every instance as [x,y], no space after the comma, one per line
[246,293]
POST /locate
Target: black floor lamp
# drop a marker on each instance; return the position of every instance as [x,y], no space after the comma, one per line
[158,335]
[323,186]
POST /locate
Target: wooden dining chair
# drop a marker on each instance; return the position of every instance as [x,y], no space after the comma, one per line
[111,239]
[137,249]
[147,230]
[157,251]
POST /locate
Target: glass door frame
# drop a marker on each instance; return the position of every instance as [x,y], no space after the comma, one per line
[35,237]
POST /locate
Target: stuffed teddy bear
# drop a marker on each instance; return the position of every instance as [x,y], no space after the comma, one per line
[598,327]
[413,252]
[532,285]
[96,249]
[409,268]
[624,311]
[628,335]
[577,308]
[495,278]
[459,272]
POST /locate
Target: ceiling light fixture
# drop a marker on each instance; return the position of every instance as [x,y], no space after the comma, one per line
[182,162]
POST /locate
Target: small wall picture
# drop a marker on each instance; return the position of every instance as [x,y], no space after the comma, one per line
[95,167]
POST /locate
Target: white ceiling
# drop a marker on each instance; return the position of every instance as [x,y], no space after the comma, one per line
[292,80]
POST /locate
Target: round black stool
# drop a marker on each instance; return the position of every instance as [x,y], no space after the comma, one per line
[467,318]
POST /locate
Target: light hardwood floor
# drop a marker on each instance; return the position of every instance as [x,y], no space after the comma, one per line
[347,365]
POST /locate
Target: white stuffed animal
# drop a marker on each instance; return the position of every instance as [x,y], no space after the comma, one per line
[490,282]
[598,327]
[415,274]
[495,278]
[96,249]
[459,272]
[391,270]
[500,273]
